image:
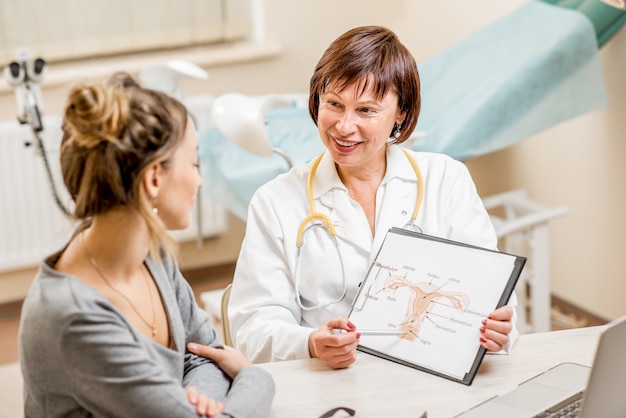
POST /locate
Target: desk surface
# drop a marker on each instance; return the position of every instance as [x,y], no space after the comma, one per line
[379,388]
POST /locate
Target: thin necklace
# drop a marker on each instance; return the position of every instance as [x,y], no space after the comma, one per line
[97,268]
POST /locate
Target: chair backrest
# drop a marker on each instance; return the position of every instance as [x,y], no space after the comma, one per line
[225,322]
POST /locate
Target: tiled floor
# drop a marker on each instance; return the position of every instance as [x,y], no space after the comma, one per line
[563,315]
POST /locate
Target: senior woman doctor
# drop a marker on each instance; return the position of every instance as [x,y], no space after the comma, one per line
[287,298]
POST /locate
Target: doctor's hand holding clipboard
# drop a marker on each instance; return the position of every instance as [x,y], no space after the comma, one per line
[312,233]
[435,303]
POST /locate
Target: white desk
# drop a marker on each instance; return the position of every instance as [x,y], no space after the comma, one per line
[379,388]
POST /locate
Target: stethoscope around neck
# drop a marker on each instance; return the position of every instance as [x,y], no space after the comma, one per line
[327,224]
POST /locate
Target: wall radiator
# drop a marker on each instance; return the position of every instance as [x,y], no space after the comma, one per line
[31,224]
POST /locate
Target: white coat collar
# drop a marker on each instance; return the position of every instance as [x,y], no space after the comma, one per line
[330,191]
[398,165]
[327,178]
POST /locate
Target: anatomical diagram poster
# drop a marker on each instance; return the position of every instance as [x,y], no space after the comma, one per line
[437,293]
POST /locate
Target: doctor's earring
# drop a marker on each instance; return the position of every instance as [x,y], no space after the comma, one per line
[155,210]
[396,131]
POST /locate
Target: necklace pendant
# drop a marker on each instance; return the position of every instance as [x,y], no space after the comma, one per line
[154,331]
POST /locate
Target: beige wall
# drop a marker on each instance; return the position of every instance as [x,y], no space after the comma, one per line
[577,164]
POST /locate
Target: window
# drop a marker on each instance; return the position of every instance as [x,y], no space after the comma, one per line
[73,29]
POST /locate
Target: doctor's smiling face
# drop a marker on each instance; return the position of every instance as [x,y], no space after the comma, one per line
[365,82]
[354,124]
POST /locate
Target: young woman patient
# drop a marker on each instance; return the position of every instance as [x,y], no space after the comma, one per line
[110,327]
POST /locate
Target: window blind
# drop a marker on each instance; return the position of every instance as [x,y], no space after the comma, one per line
[74,29]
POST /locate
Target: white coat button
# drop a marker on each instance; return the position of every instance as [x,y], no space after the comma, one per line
[404,213]
[336,223]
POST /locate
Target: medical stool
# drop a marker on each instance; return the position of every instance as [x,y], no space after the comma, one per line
[522,229]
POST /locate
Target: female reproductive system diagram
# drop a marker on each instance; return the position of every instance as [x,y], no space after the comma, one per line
[423,300]
[437,293]
[430,302]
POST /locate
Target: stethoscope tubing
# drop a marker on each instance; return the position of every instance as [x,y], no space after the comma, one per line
[327,224]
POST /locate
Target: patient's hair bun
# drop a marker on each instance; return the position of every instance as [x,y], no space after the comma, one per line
[95,113]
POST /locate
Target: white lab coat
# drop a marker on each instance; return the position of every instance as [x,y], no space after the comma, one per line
[267,322]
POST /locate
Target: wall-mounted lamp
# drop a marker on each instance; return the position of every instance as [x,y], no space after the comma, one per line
[241,119]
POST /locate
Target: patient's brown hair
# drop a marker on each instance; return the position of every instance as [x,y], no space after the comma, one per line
[112,133]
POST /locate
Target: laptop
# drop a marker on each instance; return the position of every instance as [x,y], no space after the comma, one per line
[596,391]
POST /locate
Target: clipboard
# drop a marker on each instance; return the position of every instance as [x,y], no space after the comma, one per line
[438,291]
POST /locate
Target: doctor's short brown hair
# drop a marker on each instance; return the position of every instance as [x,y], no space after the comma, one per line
[370,54]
